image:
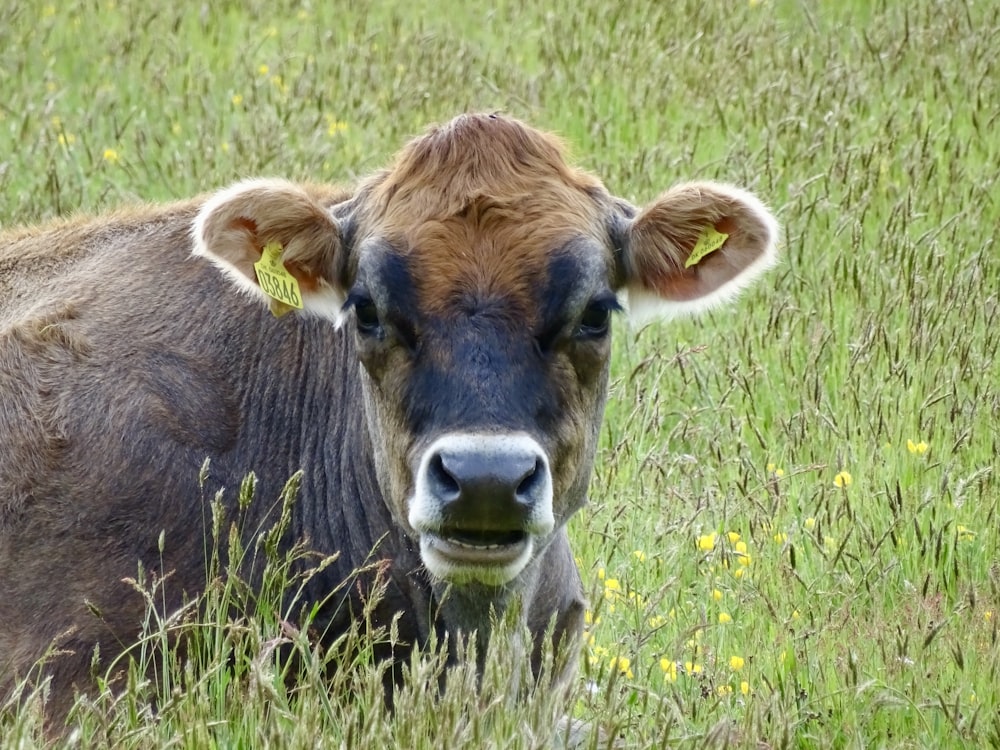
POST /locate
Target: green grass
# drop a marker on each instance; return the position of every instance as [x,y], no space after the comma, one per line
[867,615]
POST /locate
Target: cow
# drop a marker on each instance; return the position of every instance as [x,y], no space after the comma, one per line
[440,384]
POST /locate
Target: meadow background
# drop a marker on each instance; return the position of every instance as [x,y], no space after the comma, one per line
[792,535]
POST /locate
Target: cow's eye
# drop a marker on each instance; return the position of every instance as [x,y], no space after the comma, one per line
[596,319]
[365,314]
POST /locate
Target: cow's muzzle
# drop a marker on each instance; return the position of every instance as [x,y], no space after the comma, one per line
[481,503]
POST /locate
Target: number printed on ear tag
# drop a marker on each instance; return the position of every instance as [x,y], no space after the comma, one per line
[710,241]
[275,280]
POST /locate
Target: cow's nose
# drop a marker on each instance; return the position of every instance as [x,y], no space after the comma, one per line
[489,489]
[487,483]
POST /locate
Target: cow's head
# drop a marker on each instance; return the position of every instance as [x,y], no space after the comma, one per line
[478,276]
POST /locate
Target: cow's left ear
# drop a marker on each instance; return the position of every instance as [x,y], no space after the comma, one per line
[699,244]
[279,242]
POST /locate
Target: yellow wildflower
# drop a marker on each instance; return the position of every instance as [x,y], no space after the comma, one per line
[622,664]
[263,70]
[736,663]
[716,594]
[237,99]
[745,687]
[692,667]
[111,156]
[706,543]
[774,469]
[742,557]
[724,689]
[725,617]
[335,127]
[639,555]
[916,448]
[810,523]
[843,479]
[781,537]
[669,669]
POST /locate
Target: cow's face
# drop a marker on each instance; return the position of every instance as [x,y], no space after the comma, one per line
[478,278]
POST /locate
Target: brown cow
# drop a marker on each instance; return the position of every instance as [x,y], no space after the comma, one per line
[442,390]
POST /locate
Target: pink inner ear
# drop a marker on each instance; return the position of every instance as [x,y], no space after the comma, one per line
[245,223]
[726,225]
[680,286]
[307,282]
[664,235]
[661,268]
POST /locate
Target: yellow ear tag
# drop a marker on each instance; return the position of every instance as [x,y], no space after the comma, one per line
[276,282]
[709,242]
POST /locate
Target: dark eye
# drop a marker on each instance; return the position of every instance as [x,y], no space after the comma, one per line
[365,314]
[595,319]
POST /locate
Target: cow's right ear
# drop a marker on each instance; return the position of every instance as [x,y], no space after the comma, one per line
[302,238]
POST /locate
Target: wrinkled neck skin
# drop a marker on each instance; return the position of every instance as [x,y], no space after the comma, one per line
[475,607]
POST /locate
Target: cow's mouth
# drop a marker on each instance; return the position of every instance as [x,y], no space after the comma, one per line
[493,557]
[482,540]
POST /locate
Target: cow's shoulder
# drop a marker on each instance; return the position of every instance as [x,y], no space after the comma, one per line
[103,344]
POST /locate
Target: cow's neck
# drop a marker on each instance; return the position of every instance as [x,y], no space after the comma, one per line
[477,608]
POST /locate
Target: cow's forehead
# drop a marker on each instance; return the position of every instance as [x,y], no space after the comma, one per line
[480,207]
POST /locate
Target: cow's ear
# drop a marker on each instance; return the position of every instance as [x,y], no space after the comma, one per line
[264,233]
[699,244]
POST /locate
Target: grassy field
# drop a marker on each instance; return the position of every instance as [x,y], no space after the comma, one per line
[793,532]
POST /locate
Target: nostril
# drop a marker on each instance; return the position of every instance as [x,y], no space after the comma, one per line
[446,486]
[483,487]
[532,482]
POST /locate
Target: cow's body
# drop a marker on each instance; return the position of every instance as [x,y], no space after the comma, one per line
[125,362]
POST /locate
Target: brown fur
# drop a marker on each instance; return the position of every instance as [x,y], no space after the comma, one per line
[294,216]
[665,233]
[124,362]
[508,201]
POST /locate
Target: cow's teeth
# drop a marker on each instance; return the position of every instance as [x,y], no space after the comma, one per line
[467,545]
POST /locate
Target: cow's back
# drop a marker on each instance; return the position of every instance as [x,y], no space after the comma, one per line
[124,364]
